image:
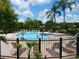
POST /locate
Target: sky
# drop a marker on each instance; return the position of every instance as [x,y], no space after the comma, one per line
[36,9]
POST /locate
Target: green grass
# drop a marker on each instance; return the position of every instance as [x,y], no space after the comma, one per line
[77,57]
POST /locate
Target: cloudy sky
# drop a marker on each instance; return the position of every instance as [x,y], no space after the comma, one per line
[36,9]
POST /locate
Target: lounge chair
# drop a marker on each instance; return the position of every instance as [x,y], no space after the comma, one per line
[56,45]
[13,44]
[20,51]
[73,45]
[14,47]
[70,46]
[52,52]
[14,51]
[36,48]
[70,43]
[75,36]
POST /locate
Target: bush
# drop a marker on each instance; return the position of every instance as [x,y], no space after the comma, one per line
[38,55]
[18,45]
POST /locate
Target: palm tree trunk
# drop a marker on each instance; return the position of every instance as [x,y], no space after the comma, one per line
[55,21]
[52,22]
[0,49]
[64,20]
[54,18]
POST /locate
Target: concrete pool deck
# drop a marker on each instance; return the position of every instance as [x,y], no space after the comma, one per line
[8,49]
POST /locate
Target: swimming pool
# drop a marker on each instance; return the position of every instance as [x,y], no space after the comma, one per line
[33,36]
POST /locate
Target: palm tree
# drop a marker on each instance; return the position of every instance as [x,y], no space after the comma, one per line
[63,5]
[52,13]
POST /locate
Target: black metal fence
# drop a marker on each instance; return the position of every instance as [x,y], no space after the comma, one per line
[50,49]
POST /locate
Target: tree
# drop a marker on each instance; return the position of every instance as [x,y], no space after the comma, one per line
[63,5]
[52,13]
[32,24]
[7,16]
[50,25]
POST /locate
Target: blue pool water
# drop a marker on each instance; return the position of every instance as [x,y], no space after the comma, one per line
[34,36]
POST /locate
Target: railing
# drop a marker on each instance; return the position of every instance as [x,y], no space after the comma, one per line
[46,47]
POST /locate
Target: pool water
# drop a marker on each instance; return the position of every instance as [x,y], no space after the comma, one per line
[34,36]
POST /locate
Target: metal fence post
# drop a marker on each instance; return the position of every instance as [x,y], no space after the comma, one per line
[0,49]
[40,45]
[18,49]
[60,48]
[45,57]
[77,47]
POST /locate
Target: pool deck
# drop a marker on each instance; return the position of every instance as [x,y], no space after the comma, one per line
[8,49]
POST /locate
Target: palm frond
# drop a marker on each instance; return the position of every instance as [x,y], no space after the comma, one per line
[58,12]
[47,12]
[48,16]
[70,4]
[31,43]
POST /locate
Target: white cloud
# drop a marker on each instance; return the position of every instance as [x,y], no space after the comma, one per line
[28,2]
[21,4]
[59,19]
[15,2]
[27,13]
[75,16]
[76,19]
[43,12]
[23,8]
[35,2]
[17,11]
[24,5]
[67,10]
[21,20]
[75,7]
[69,15]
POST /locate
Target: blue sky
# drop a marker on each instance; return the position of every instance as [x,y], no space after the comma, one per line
[36,9]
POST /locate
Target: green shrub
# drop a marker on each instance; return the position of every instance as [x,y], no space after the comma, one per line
[3,38]
[18,45]
[30,44]
[38,55]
